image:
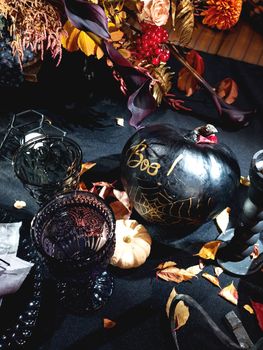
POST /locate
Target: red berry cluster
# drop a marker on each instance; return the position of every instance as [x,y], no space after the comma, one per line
[150,46]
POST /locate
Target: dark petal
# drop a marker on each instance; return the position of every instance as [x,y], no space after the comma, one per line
[141,103]
[87,17]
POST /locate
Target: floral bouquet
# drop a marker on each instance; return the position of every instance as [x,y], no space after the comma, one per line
[137,38]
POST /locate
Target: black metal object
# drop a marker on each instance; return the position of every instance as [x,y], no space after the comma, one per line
[234,255]
[23,127]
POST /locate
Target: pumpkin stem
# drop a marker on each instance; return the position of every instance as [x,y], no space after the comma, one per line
[127,239]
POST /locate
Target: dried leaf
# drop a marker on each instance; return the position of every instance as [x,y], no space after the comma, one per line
[86,166]
[196,269]
[108,324]
[218,270]
[186,81]
[244,180]
[255,253]
[258,308]
[173,12]
[70,41]
[120,211]
[116,35]
[209,250]
[181,314]
[125,53]
[20,204]
[162,81]
[228,90]
[169,301]
[165,265]
[249,309]
[174,274]
[86,44]
[214,280]
[222,219]
[119,121]
[183,25]
[82,186]
[229,293]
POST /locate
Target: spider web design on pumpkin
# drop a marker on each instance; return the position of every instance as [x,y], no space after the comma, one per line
[156,205]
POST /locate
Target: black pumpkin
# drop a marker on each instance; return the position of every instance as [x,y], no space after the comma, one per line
[172,180]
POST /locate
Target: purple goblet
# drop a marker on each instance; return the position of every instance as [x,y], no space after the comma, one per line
[75,234]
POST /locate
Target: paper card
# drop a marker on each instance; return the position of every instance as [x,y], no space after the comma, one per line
[9,238]
[13,275]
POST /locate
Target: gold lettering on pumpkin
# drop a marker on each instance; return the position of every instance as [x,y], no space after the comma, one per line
[137,159]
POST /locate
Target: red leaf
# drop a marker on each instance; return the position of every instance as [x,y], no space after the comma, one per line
[258,308]
[186,81]
[228,90]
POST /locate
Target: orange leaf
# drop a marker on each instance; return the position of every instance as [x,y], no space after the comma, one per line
[86,166]
[82,186]
[107,323]
[125,53]
[169,301]
[174,274]
[214,280]
[70,41]
[181,314]
[123,198]
[120,211]
[165,265]
[248,308]
[116,35]
[229,293]
[209,250]
[186,81]
[228,90]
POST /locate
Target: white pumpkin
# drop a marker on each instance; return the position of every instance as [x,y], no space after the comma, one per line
[133,244]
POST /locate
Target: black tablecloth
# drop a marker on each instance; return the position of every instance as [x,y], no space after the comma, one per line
[87,111]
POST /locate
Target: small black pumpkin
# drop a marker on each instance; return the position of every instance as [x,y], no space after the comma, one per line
[174,177]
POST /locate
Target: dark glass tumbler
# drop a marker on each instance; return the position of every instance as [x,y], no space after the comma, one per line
[75,234]
[47,166]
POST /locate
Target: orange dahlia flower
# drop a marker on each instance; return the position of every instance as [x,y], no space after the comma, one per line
[222,14]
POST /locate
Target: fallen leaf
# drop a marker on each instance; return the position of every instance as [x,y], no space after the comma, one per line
[214,280]
[258,308]
[222,219]
[196,269]
[228,90]
[108,324]
[123,198]
[86,166]
[186,81]
[119,121]
[174,274]
[120,211]
[82,186]
[229,293]
[209,250]
[255,252]
[20,204]
[181,314]
[248,308]
[245,180]
[218,270]
[169,301]
[165,265]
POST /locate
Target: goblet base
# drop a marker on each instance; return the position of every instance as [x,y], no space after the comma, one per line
[85,296]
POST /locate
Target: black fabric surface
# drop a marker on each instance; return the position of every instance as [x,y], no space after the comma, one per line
[87,111]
